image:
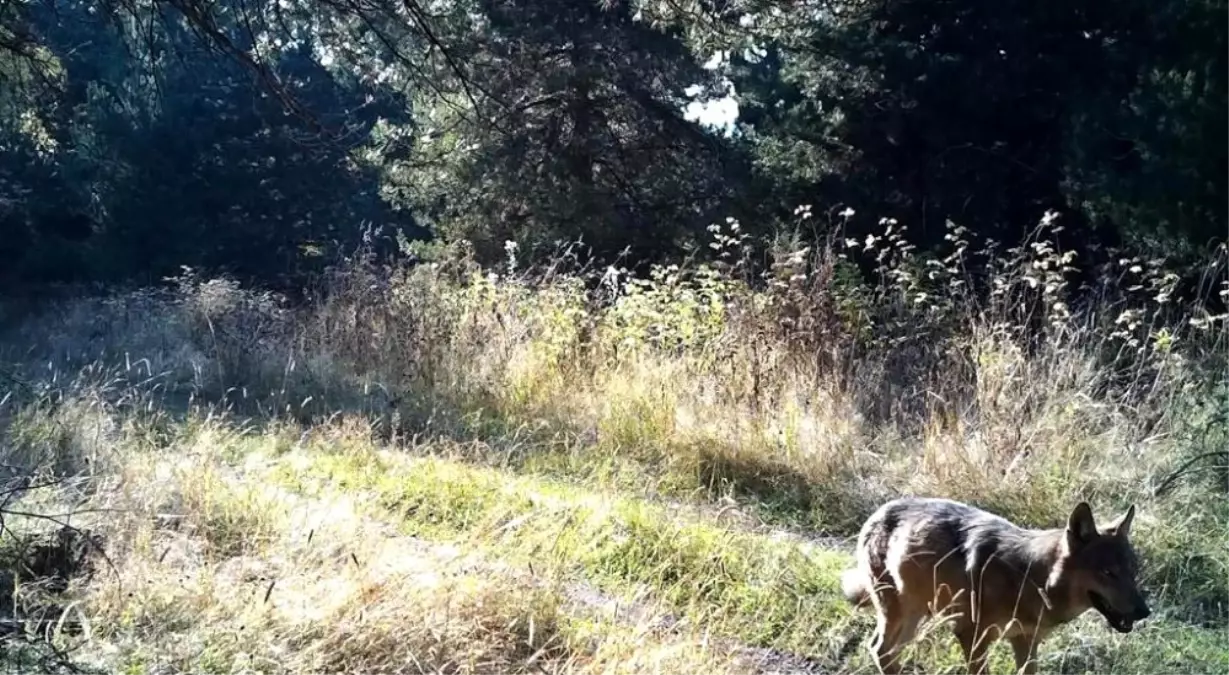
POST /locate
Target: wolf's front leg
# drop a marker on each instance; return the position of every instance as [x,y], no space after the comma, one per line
[975,647]
[1024,646]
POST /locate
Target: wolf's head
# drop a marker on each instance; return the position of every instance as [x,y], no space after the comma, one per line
[1098,567]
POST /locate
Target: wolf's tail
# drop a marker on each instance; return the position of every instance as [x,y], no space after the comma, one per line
[856,588]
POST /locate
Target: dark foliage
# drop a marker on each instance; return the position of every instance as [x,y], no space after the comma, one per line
[264,140]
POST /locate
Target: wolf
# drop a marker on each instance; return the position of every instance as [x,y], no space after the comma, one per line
[920,558]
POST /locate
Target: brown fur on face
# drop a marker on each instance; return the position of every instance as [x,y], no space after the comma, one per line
[920,558]
[1099,567]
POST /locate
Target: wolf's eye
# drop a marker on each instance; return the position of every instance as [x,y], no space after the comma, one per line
[1109,573]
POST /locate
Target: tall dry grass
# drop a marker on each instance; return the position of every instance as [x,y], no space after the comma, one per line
[974,373]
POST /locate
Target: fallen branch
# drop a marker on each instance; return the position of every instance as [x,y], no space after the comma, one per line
[1185,468]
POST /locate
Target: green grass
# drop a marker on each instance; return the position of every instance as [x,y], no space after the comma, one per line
[247,576]
[764,592]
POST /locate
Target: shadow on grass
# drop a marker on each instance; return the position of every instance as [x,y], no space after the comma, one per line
[476,427]
[834,504]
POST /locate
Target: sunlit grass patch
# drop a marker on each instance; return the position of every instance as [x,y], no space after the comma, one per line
[759,589]
[221,570]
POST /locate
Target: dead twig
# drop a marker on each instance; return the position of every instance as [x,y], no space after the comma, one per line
[1185,468]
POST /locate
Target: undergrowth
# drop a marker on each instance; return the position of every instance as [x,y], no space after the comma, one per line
[699,444]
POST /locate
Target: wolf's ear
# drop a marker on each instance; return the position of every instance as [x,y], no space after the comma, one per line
[1122,526]
[1081,528]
